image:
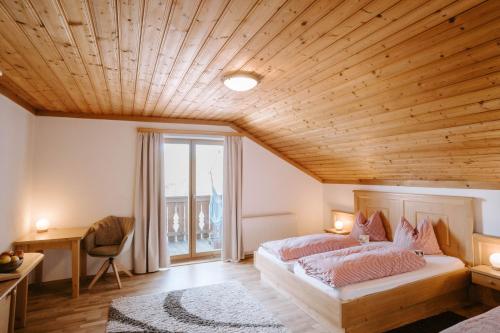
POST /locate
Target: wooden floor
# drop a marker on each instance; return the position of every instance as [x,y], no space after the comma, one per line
[51,309]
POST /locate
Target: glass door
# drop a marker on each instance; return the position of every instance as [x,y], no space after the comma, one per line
[193,177]
[207,189]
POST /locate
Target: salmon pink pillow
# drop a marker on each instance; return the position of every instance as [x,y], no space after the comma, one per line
[422,237]
[373,227]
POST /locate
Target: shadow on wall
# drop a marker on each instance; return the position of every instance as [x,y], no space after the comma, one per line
[478,215]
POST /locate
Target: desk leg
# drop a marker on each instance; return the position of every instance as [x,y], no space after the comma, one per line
[22,302]
[83,262]
[12,311]
[39,271]
[75,253]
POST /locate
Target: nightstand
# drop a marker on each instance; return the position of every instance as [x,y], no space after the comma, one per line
[334,231]
[486,276]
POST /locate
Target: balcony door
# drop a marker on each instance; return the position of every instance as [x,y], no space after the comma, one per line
[193,197]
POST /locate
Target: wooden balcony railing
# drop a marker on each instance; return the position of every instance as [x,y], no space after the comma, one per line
[178,219]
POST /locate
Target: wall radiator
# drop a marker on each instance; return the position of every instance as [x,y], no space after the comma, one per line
[263,228]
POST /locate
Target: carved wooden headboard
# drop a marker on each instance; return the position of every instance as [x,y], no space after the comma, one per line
[453,217]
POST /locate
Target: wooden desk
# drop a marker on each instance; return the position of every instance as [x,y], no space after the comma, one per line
[17,291]
[67,238]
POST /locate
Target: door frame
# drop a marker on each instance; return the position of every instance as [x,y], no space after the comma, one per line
[191,202]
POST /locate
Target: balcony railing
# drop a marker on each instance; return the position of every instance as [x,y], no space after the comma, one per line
[178,221]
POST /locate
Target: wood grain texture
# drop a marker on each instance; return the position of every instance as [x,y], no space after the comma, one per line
[50,310]
[382,311]
[452,217]
[353,91]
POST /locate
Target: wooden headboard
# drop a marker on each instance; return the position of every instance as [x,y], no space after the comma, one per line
[453,217]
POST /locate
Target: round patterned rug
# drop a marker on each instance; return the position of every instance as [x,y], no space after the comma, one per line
[226,307]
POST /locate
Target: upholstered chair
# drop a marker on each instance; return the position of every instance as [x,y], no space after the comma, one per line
[108,238]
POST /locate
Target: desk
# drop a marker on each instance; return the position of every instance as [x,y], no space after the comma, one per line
[17,290]
[67,238]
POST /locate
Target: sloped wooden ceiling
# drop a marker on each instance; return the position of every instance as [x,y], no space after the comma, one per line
[370,91]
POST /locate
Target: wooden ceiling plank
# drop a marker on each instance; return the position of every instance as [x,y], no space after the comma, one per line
[15,93]
[157,15]
[393,150]
[439,183]
[11,31]
[408,40]
[129,14]
[388,120]
[418,77]
[282,34]
[275,54]
[206,18]
[183,14]
[18,71]
[26,18]
[78,25]
[225,31]
[362,43]
[416,46]
[105,27]
[270,19]
[347,19]
[399,143]
[52,21]
[394,101]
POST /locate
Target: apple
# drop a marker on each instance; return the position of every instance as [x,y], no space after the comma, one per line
[14,259]
[5,259]
[20,254]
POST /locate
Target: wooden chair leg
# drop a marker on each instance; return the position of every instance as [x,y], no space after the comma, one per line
[123,269]
[102,270]
[117,275]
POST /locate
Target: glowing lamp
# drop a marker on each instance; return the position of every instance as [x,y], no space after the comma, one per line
[42,225]
[495,261]
[240,81]
[339,225]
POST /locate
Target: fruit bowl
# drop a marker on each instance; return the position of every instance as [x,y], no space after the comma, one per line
[11,266]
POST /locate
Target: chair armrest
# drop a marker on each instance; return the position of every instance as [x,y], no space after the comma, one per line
[89,240]
[126,242]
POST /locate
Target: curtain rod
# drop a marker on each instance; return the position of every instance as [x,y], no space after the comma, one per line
[194,132]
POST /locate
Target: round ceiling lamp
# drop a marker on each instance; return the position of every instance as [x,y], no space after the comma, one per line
[240,81]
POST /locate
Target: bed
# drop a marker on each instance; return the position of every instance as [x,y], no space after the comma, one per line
[389,304]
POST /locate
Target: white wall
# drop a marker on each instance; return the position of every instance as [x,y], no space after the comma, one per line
[272,186]
[486,203]
[16,153]
[84,170]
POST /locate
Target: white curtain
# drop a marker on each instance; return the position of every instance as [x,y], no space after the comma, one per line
[232,247]
[150,237]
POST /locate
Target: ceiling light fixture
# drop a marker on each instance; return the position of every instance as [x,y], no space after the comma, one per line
[240,81]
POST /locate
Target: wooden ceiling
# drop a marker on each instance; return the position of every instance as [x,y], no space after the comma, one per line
[354,91]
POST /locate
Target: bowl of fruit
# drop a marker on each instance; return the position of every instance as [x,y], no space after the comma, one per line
[10,261]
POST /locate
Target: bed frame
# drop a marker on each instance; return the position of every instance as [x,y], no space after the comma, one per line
[453,222]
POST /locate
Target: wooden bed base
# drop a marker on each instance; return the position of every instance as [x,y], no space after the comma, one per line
[373,313]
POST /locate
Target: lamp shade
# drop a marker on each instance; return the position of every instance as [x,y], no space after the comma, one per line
[240,81]
[495,260]
[339,225]
[42,225]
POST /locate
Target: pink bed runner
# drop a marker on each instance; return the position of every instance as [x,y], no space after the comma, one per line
[298,247]
[361,263]
[488,322]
